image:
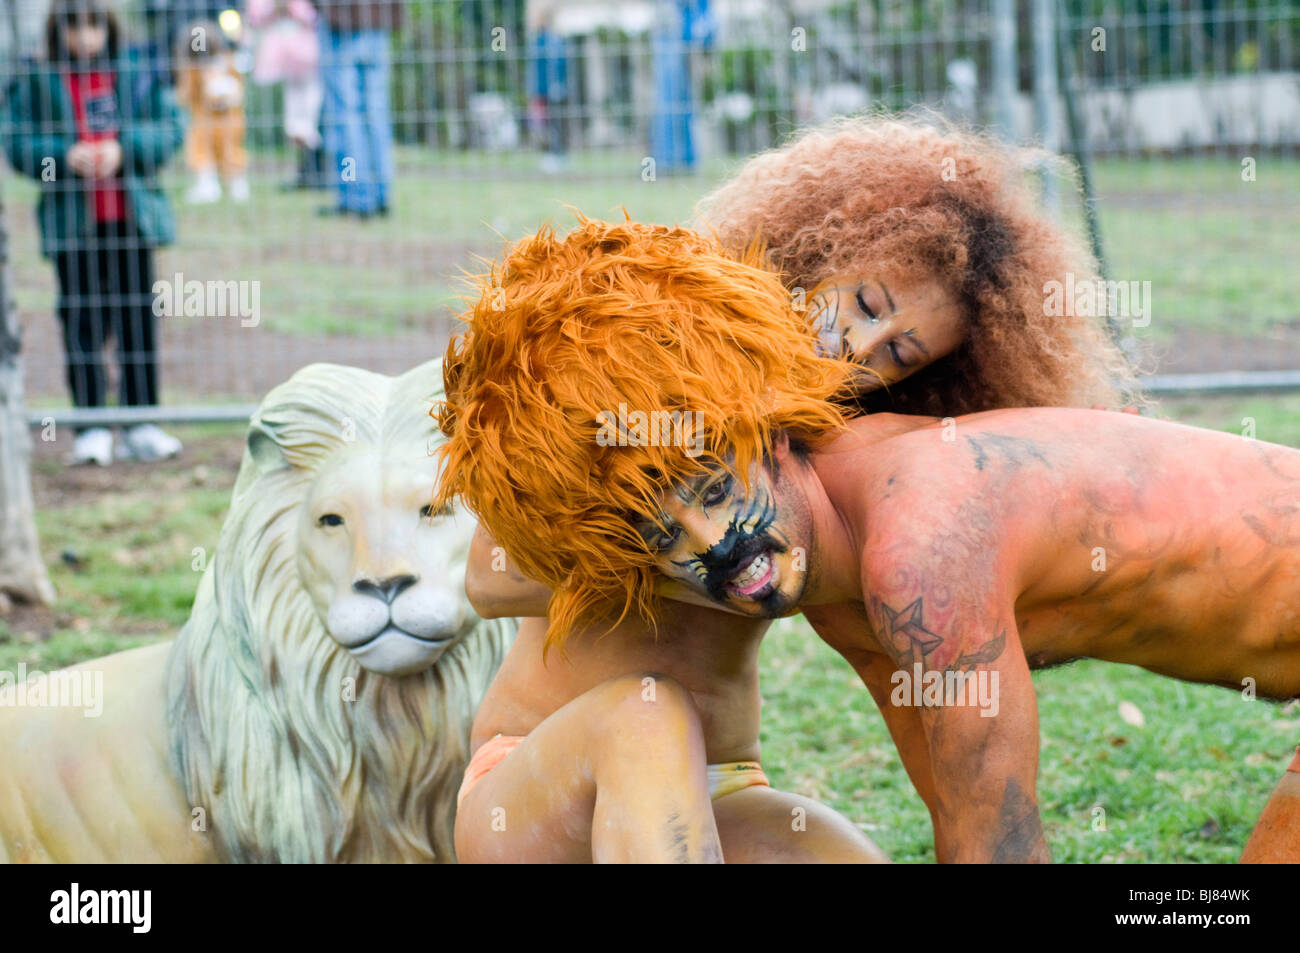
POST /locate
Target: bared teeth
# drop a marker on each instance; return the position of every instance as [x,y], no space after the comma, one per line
[756,570]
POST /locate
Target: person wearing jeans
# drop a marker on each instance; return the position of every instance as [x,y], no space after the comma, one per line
[356,66]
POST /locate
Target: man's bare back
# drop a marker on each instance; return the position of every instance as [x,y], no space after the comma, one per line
[1117,537]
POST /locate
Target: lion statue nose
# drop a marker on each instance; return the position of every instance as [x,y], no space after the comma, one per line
[385,589]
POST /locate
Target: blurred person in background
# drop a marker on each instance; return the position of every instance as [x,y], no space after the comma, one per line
[356,66]
[288,52]
[210,85]
[93,126]
[163,21]
[549,98]
[684,29]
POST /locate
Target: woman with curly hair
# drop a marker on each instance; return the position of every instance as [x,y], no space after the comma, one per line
[924,257]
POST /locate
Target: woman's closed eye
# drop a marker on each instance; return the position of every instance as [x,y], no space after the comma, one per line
[864,307]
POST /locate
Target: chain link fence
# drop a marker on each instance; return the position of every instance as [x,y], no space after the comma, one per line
[304,233]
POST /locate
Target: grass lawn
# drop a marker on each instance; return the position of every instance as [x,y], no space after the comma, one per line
[1186,785]
[1215,249]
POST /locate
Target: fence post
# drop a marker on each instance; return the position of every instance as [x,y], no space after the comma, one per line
[1004,68]
[22,572]
[1046,93]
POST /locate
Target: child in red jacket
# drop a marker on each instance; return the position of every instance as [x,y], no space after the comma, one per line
[86,127]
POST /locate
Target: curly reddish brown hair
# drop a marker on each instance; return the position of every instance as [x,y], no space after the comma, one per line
[894,197]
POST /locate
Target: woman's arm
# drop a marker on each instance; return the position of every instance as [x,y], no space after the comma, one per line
[495,586]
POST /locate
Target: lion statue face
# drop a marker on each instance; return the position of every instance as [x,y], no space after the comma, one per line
[321,695]
[385,573]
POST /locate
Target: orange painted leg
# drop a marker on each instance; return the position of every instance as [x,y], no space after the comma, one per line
[1276,838]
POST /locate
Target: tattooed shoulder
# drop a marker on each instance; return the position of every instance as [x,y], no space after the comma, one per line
[906,636]
[1012,452]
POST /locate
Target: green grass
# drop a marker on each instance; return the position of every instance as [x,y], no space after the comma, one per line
[330,276]
[1273,418]
[1216,249]
[1213,269]
[124,563]
[131,545]
[1187,786]
[1211,177]
[1211,244]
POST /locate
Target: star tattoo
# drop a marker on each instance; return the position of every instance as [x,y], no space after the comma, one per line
[906,633]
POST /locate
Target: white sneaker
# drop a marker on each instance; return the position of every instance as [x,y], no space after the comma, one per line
[146,442]
[205,190]
[92,446]
[238,189]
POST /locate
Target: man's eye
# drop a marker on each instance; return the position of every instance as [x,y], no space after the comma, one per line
[330,519]
[715,493]
[428,512]
[660,539]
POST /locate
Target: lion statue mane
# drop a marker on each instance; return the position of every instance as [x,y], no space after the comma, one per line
[317,705]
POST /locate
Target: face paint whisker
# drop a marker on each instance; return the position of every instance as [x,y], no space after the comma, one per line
[764,517]
[692,565]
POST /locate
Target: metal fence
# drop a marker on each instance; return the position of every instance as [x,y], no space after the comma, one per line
[1186,114]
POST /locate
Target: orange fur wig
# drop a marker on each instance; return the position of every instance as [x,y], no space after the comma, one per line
[568,334]
[876,197]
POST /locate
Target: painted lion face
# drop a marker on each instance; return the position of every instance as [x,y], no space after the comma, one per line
[385,573]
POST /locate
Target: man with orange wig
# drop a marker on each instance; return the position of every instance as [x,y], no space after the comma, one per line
[943,559]
[630,741]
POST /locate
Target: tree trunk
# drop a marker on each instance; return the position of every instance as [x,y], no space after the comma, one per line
[22,573]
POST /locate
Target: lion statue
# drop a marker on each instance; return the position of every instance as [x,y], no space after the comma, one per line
[316,707]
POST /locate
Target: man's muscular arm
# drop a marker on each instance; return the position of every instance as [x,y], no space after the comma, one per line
[841,628]
[983,757]
[495,586]
[908,733]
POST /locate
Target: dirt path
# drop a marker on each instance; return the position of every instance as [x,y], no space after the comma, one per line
[207,361]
